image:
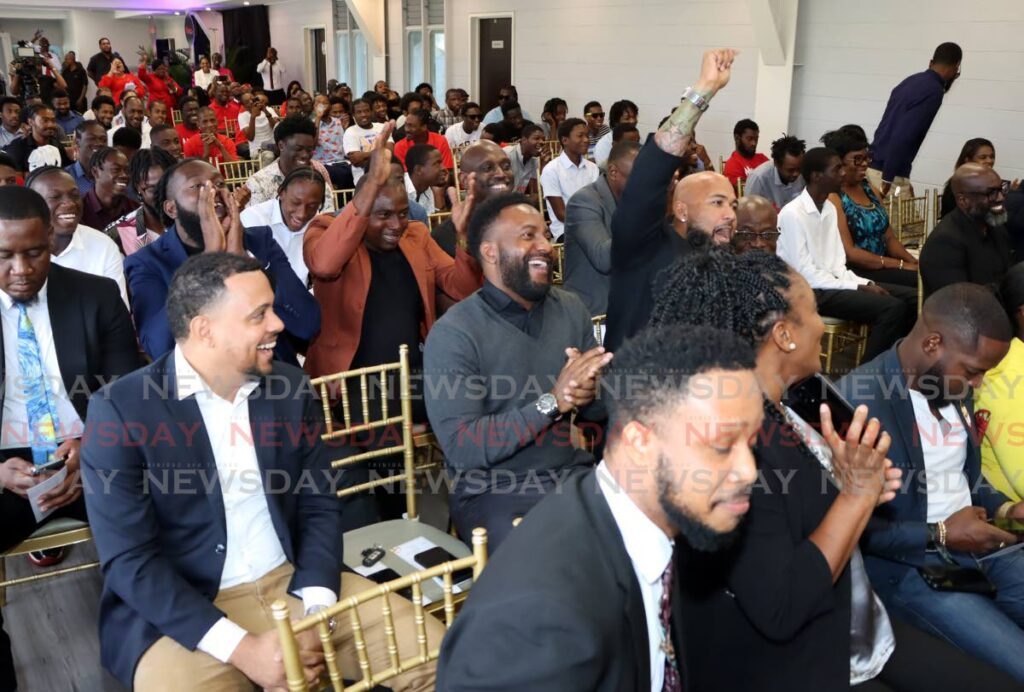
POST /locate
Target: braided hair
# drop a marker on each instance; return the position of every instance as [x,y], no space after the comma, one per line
[744,294]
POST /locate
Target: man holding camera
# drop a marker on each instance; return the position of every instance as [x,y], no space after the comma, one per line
[34,75]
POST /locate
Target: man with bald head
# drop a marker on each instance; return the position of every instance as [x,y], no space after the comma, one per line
[757,225]
[971,243]
[488,167]
[703,207]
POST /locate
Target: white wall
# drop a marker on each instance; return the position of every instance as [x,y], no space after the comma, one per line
[83,29]
[648,52]
[851,56]
[24,29]
[172,27]
[287,23]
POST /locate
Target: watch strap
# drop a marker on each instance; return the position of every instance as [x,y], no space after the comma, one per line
[694,97]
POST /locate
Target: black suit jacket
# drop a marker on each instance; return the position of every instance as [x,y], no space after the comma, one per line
[92,333]
[558,608]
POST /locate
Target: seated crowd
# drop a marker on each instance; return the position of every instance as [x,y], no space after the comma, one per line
[604,334]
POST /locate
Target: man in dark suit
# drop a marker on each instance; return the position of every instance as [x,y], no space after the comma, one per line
[582,594]
[920,390]
[203,217]
[83,337]
[211,495]
[588,229]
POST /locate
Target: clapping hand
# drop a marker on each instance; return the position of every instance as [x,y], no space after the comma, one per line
[859,460]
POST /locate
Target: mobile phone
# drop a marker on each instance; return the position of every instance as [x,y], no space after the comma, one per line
[1012,525]
[955,578]
[438,555]
[806,398]
[55,465]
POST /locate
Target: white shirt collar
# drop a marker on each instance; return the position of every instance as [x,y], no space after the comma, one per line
[77,242]
[567,162]
[188,382]
[808,206]
[40,298]
[648,546]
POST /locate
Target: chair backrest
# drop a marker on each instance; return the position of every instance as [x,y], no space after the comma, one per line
[740,184]
[908,217]
[230,128]
[721,165]
[554,148]
[372,420]
[438,218]
[599,324]
[398,661]
[558,271]
[176,118]
[236,173]
[343,197]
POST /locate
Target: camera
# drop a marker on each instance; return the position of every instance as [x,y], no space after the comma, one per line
[28,67]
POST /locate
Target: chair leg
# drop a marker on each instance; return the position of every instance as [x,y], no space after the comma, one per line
[3,578]
[828,353]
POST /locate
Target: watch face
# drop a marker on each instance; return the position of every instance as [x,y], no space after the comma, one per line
[547,403]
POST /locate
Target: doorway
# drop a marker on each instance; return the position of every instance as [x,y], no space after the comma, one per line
[492,59]
[316,57]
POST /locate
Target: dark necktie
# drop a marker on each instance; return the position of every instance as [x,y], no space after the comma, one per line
[673,681]
[270,69]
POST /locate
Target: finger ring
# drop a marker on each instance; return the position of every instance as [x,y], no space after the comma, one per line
[1002,544]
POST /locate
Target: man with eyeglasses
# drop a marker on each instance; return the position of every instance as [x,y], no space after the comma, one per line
[596,128]
[970,244]
[757,225]
[504,94]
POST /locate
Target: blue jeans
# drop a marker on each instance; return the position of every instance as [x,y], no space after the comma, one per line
[987,628]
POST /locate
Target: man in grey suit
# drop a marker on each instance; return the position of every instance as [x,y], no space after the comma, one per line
[588,230]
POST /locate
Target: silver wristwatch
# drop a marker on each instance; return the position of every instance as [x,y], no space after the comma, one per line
[332,622]
[695,98]
[548,405]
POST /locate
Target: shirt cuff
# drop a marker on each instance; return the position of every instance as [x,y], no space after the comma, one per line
[316,596]
[221,640]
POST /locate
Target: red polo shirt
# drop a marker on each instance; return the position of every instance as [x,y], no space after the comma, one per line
[229,111]
[194,147]
[433,139]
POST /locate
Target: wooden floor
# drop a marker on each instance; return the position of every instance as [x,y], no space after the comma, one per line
[53,623]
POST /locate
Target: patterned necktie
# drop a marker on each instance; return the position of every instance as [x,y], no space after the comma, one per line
[42,413]
[673,682]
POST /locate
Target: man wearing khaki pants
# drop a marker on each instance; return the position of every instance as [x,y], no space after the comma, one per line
[211,495]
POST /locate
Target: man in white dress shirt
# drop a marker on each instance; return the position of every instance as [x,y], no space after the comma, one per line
[566,174]
[240,508]
[272,74]
[810,243]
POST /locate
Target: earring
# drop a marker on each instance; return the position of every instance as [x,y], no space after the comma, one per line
[792,346]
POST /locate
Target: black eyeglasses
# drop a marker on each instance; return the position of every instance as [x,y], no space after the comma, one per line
[993,192]
[595,115]
[862,160]
[471,116]
[750,236]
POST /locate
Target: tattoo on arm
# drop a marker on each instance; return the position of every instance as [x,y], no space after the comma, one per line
[674,136]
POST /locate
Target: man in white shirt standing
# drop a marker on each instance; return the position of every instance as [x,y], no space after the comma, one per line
[359,138]
[272,74]
[571,171]
[810,243]
[189,576]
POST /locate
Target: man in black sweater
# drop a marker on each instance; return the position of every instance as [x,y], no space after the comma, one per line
[971,243]
[644,241]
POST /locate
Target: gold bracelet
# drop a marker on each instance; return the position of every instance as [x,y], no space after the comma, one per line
[942,533]
[1004,510]
[901,264]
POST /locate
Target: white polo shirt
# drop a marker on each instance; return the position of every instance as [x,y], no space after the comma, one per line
[562,178]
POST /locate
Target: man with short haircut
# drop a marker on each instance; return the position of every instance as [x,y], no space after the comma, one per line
[134,113]
[566,174]
[208,143]
[359,137]
[779,180]
[269,530]
[103,110]
[452,113]
[585,593]
[157,113]
[512,121]
[67,119]
[505,451]
[528,156]
[42,131]
[644,241]
[971,243]
[271,73]
[202,216]
[225,107]
[90,137]
[757,225]
[486,170]
[912,106]
[295,138]
[593,114]
[745,159]
[467,129]
[99,64]
[921,392]
[416,132]
[162,86]
[330,143]
[11,127]
[426,177]
[80,336]
[128,142]
[256,123]
[506,93]
[588,230]
[556,110]
[623,112]
[189,125]
[166,137]
[811,244]
[107,201]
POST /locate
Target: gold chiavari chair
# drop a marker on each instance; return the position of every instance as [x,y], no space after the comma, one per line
[554,147]
[721,165]
[398,661]
[558,271]
[176,118]
[839,336]
[540,190]
[236,173]
[57,533]
[936,208]
[740,184]
[438,218]
[909,217]
[599,325]
[343,197]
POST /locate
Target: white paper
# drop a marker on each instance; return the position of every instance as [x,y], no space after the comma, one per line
[37,491]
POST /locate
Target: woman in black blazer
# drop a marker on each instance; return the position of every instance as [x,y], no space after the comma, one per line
[776,611]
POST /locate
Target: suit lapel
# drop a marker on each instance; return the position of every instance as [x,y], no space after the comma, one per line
[66,325]
[267,435]
[906,430]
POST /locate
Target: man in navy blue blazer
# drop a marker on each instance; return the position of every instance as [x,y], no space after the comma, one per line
[202,217]
[920,390]
[211,495]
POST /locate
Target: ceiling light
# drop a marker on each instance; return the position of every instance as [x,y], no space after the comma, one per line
[177,14]
[207,9]
[246,3]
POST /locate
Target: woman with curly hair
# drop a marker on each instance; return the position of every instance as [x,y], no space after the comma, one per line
[791,596]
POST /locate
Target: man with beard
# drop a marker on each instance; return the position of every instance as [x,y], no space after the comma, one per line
[745,159]
[99,64]
[512,362]
[921,393]
[134,113]
[189,125]
[644,241]
[90,137]
[913,105]
[103,110]
[42,131]
[66,118]
[202,216]
[971,243]
[486,170]
[584,595]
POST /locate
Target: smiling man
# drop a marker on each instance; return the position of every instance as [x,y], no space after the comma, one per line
[202,216]
[42,131]
[295,138]
[107,201]
[488,169]
[134,113]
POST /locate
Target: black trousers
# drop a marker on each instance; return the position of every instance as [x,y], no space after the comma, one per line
[900,277]
[18,524]
[923,663]
[341,175]
[275,97]
[891,317]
